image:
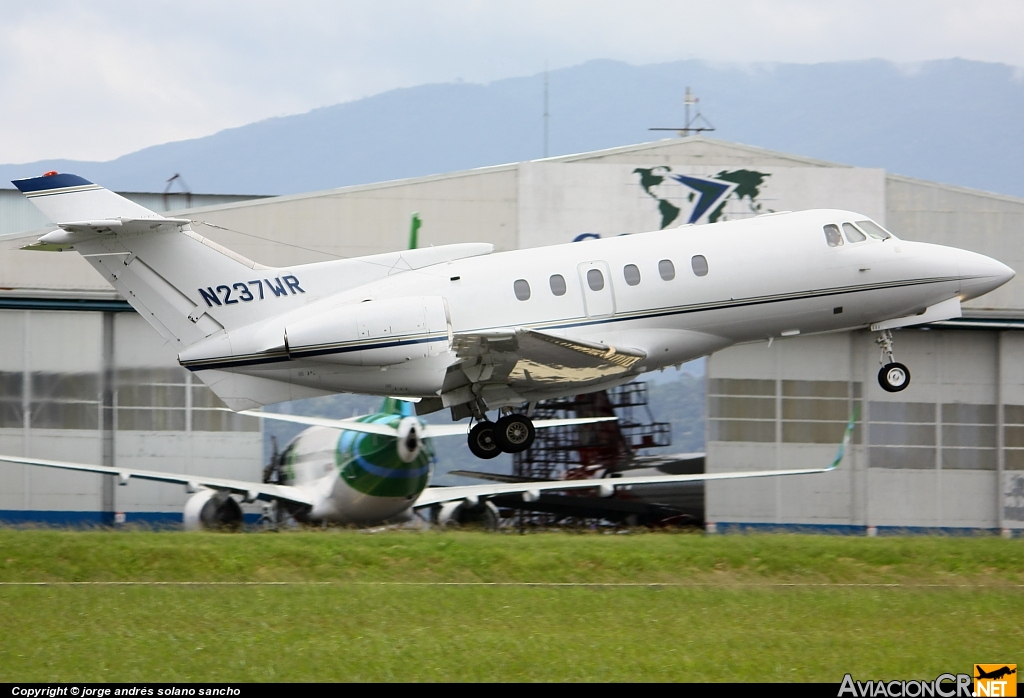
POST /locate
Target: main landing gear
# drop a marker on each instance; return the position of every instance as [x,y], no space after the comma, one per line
[513,433]
[893,376]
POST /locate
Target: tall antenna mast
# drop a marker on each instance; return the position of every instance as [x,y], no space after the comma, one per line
[546,115]
[692,125]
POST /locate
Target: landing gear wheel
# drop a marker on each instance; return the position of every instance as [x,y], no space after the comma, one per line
[514,433]
[894,377]
[481,441]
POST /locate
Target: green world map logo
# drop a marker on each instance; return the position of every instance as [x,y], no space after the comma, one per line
[706,197]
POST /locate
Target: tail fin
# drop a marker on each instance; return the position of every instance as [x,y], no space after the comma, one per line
[65,198]
[394,405]
[162,268]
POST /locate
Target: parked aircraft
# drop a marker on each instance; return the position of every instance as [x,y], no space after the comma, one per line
[371,470]
[463,328]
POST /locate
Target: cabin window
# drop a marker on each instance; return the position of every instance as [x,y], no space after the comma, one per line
[557,283]
[667,269]
[699,264]
[595,279]
[874,230]
[631,273]
[832,235]
[852,234]
[522,289]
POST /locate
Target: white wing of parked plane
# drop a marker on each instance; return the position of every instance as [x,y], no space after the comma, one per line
[430,431]
[347,424]
[250,490]
[532,490]
[434,430]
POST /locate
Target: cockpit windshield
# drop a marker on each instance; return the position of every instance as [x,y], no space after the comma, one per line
[874,230]
[852,233]
[832,235]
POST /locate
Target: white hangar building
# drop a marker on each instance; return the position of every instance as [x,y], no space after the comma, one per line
[86,381]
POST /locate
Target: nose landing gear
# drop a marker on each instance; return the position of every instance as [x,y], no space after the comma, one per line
[893,376]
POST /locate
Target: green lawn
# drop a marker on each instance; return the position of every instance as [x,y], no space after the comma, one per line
[721,602]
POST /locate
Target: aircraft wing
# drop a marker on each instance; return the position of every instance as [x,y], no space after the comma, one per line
[531,490]
[250,490]
[439,495]
[430,431]
[347,424]
[533,359]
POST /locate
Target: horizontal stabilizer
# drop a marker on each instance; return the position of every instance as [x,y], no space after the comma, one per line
[78,231]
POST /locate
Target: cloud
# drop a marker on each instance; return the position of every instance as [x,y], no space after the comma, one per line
[100,79]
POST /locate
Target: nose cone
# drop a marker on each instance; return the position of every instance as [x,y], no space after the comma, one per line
[980,274]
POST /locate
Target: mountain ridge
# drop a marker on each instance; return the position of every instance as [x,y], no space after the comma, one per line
[951,120]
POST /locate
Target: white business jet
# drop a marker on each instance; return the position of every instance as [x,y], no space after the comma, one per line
[463,328]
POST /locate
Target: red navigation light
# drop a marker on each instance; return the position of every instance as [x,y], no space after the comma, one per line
[50,173]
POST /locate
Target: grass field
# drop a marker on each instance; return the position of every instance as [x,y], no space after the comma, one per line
[477,606]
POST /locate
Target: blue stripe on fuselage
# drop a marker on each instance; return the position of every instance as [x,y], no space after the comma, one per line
[391,473]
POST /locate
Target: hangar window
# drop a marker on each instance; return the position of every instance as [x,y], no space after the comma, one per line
[632,274]
[522,289]
[11,413]
[832,235]
[874,230]
[667,269]
[64,400]
[595,279]
[557,283]
[852,234]
[699,264]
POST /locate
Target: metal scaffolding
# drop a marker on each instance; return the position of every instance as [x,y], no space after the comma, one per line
[589,450]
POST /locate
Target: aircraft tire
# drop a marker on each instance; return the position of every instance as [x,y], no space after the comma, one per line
[894,377]
[481,441]
[514,433]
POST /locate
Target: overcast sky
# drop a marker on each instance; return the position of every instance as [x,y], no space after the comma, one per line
[95,80]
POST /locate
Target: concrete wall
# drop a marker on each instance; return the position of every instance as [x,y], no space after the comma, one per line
[55,368]
[943,453]
[472,206]
[978,221]
[695,150]
[559,201]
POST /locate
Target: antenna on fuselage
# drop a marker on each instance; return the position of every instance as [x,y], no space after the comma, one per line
[692,125]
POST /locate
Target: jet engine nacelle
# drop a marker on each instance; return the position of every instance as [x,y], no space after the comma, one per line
[374,333]
[462,512]
[212,510]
